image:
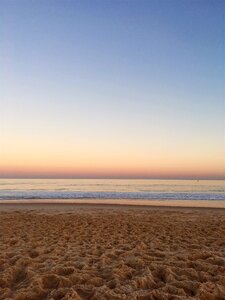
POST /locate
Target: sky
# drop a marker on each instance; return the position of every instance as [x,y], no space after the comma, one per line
[112,89]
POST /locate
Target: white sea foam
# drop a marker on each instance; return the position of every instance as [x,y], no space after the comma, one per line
[23,194]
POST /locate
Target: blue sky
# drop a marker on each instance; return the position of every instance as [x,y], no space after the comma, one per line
[130,84]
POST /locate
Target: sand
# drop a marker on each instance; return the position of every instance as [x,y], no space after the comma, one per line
[111,252]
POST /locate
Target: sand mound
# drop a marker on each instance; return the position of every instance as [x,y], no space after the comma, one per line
[117,253]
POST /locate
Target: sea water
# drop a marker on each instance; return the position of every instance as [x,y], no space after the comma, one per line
[112,189]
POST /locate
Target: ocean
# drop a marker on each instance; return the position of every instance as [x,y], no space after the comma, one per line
[141,189]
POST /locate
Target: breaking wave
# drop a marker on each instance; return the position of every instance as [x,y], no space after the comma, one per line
[61,194]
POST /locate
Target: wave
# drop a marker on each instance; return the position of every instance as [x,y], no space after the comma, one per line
[53,194]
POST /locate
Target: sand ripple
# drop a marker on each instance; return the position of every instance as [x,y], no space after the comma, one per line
[117,253]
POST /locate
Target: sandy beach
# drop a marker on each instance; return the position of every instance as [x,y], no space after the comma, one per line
[111,252]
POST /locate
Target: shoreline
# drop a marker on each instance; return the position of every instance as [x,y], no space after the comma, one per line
[217,204]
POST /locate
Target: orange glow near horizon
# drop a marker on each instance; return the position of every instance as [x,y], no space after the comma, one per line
[115,168]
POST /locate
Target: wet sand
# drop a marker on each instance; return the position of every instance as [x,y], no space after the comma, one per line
[130,202]
[111,252]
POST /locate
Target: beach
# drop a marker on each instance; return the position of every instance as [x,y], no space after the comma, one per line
[112,165]
[83,251]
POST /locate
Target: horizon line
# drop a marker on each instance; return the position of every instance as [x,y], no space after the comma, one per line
[115,177]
